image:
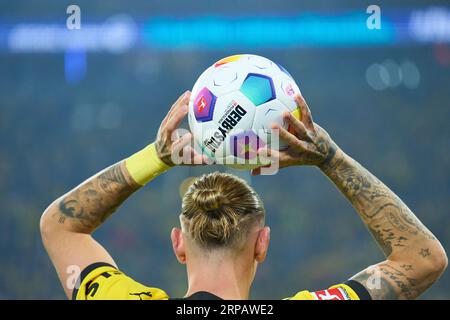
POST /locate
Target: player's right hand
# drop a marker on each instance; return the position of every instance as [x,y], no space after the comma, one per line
[308,144]
[169,144]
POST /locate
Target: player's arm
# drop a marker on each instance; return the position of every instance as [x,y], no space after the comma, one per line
[415,259]
[68,223]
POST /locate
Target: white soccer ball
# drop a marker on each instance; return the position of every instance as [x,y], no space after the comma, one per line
[233,104]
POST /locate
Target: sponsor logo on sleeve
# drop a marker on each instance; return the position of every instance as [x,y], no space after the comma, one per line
[331,294]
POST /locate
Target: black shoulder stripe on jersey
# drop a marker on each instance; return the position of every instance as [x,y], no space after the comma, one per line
[86,271]
[359,289]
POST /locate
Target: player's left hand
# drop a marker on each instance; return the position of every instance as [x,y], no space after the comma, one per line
[308,143]
[170,144]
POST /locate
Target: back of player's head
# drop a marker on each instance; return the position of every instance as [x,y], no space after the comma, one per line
[219,210]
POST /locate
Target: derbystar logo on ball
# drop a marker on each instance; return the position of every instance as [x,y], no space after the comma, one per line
[233,115]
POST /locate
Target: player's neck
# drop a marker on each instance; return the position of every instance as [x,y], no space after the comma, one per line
[227,280]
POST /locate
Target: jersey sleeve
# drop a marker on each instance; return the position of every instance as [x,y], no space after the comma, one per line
[350,290]
[102,281]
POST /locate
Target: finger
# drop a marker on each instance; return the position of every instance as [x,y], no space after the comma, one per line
[285,135]
[179,104]
[176,134]
[297,126]
[305,112]
[190,156]
[258,171]
[281,156]
[176,118]
[171,108]
[198,158]
[293,141]
[182,142]
[266,153]
[166,118]
[183,99]
[281,159]
[198,152]
[181,155]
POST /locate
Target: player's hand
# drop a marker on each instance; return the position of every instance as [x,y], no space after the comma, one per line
[308,143]
[170,144]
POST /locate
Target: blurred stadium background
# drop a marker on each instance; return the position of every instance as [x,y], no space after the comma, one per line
[75,101]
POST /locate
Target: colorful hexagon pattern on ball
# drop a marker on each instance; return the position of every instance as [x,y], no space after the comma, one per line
[245,145]
[203,105]
[258,88]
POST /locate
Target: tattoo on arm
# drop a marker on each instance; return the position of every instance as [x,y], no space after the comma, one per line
[407,267]
[404,240]
[388,282]
[87,206]
[379,287]
[164,152]
[389,220]
[425,253]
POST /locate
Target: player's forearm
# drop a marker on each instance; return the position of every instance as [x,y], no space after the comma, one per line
[85,207]
[399,233]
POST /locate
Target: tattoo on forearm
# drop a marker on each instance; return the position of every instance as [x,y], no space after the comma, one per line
[379,288]
[331,153]
[91,203]
[386,282]
[425,253]
[407,267]
[395,228]
[406,285]
[164,152]
[389,220]
[386,238]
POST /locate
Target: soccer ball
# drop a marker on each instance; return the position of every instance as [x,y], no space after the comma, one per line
[233,104]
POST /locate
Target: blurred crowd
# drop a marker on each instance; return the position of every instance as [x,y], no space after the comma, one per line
[54,134]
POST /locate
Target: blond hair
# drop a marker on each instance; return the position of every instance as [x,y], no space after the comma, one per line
[219,209]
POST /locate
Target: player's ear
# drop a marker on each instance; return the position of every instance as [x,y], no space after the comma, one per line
[262,244]
[178,245]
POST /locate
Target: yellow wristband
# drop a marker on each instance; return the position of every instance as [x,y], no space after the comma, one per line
[145,165]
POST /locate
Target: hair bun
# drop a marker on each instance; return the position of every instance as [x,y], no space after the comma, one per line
[209,200]
[219,209]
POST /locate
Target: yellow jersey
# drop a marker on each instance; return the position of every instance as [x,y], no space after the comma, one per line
[102,281]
